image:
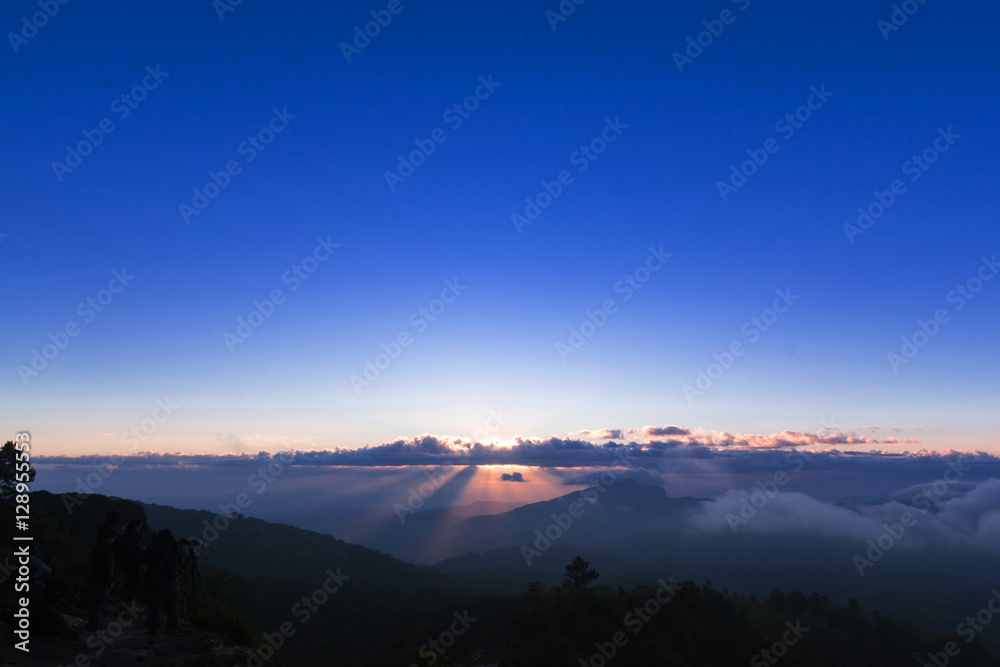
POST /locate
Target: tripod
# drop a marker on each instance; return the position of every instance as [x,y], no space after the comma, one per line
[191,582]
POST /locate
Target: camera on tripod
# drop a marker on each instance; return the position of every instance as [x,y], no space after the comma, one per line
[189,548]
[190,579]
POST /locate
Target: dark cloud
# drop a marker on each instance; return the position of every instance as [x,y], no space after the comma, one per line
[745,452]
[659,431]
[666,444]
[702,464]
[829,481]
[512,477]
[644,476]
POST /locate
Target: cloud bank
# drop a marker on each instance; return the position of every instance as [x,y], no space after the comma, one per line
[583,448]
[685,461]
[965,515]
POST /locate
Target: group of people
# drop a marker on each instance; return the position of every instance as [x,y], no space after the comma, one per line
[156,565]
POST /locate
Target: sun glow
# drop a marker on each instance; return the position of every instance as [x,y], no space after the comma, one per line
[499,442]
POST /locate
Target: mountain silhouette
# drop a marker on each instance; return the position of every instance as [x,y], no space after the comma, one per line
[386,611]
[623,510]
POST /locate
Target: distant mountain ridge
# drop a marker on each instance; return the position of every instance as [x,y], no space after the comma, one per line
[257,548]
[620,511]
[261,576]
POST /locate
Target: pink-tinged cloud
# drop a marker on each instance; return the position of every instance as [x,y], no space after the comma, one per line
[600,434]
[639,446]
[788,439]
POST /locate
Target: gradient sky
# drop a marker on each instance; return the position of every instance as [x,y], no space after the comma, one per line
[494,347]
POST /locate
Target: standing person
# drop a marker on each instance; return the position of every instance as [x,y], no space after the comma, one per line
[162,559]
[110,525]
[129,556]
[101,575]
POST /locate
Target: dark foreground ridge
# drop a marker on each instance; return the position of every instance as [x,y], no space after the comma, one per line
[277,595]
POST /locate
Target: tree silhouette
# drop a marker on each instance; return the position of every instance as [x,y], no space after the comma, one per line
[578,576]
[8,471]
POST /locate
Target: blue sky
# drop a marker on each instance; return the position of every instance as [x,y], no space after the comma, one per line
[495,345]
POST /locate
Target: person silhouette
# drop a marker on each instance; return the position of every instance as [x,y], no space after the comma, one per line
[128,553]
[101,576]
[110,525]
[162,559]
